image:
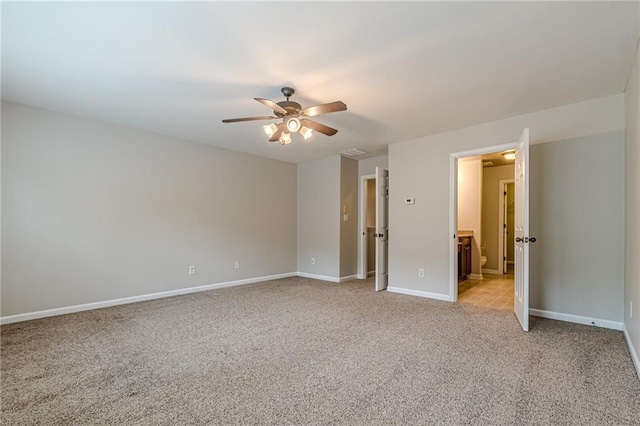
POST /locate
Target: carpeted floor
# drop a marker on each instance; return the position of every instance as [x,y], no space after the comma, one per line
[305,352]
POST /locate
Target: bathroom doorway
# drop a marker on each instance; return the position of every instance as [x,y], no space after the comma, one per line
[485,212]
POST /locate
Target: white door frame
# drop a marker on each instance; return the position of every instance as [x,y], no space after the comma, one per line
[453,209]
[501,220]
[362,226]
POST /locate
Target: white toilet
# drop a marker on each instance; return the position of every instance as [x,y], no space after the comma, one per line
[483,260]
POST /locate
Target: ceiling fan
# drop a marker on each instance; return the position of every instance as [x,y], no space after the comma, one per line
[293,118]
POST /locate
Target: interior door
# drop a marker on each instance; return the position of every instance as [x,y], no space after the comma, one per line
[521,287]
[382,228]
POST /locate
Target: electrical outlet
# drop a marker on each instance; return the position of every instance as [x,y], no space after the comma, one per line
[420,273]
[313,260]
[192,270]
[630,309]
[237,264]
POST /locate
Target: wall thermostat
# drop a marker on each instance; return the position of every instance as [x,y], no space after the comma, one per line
[409,200]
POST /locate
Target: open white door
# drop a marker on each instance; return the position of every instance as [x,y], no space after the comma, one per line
[521,287]
[382,228]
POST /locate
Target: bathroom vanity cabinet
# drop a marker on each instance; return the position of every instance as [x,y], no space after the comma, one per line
[464,258]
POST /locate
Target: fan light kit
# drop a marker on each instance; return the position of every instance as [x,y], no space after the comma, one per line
[293,118]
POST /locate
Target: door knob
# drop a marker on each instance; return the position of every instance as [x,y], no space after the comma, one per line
[519,240]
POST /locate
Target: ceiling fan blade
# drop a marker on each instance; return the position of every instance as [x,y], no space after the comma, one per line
[235,120]
[324,109]
[274,106]
[313,125]
[276,136]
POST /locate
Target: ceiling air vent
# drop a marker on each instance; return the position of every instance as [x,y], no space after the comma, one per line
[353,152]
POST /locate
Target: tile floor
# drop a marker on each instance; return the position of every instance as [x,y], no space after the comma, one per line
[494,292]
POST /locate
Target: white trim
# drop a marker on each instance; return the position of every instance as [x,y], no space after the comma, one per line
[371,273]
[501,221]
[476,277]
[426,294]
[453,209]
[133,299]
[614,325]
[348,278]
[319,277]
[362,226]
[491,271]
[632,350]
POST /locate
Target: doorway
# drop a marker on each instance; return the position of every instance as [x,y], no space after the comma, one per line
[485,170]
[519,151]
[367,257]
[373,244]
[482,214]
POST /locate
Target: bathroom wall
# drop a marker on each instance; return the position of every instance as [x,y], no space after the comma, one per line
[491,194]
[470,205]
[511,221]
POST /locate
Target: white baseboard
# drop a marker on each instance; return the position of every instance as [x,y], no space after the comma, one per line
[327,277]
[126,300]
[632,351]
[491,272]
[614,325]
[476,276]
[371,273]
[319,277]
[419,293]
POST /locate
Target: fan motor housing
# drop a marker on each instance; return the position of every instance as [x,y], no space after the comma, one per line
[293,108]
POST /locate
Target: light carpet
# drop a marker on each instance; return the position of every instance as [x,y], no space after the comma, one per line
[304,352]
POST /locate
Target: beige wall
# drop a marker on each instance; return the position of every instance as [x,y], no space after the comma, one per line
[368,165]
[632,225]
[470,205]
[319,216]
[94,212]
[325,188]
[419,235]
[349,228]
[490,211]
[576,212]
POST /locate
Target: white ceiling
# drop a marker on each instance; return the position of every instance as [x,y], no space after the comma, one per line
[404,70]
